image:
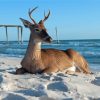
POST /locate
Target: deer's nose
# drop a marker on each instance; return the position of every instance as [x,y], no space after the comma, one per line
[49,39]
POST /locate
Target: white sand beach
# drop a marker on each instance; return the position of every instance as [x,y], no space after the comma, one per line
[55,86]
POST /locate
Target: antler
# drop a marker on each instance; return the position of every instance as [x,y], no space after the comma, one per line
[30,12]
[46,17]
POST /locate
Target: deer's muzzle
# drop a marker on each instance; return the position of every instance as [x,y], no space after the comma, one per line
[47,39]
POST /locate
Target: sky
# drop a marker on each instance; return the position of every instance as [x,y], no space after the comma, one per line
[74,19]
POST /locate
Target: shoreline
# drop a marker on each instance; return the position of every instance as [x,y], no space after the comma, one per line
[55,86]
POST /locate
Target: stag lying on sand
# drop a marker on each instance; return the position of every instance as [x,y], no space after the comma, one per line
[37,60]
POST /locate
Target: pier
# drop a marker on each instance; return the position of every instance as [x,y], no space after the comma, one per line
[19,30]
[57,35]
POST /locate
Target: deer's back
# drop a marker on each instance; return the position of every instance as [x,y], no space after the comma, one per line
[55,58]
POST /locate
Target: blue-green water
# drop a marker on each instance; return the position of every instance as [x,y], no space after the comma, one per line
[90,49]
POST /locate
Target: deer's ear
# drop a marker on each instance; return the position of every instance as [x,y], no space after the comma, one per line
[26,23]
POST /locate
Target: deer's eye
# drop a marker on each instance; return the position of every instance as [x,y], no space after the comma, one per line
[37,30]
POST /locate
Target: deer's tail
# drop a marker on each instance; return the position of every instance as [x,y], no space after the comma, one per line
[79,61]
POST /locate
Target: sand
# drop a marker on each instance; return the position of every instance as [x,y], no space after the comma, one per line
[55,86]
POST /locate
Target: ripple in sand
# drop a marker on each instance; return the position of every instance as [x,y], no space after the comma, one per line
[57,86]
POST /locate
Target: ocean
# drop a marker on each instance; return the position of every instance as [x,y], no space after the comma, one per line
[90,49]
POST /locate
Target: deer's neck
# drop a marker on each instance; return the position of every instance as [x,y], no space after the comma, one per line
[34,50]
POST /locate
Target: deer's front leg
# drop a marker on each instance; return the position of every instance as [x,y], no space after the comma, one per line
[20,71]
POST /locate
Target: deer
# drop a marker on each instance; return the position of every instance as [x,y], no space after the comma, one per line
[38,60]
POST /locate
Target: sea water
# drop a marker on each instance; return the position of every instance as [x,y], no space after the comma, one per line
[90,49]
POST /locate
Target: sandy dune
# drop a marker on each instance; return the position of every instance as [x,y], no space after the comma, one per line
[55,86]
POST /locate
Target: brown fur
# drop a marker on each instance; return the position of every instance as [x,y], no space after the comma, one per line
[37,60]
[52,60]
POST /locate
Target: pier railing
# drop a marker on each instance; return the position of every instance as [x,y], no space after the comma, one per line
[19,29]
